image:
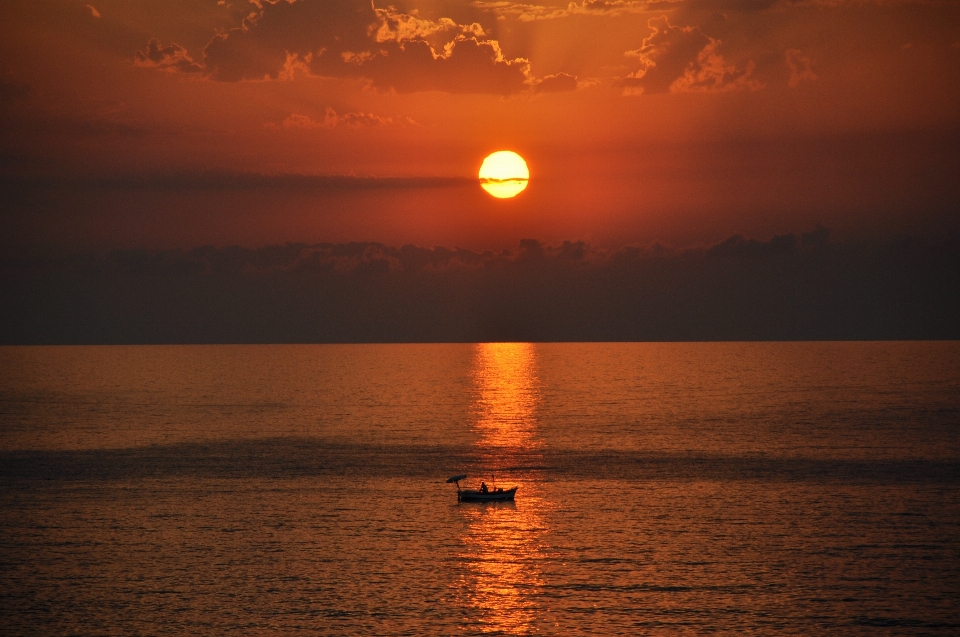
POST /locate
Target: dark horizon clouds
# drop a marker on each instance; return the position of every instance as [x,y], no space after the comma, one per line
[789,287]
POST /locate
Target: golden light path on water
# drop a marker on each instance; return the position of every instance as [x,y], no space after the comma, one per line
[508,394]
[502,544]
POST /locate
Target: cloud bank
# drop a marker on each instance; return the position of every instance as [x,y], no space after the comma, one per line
[353,39]
[790,287]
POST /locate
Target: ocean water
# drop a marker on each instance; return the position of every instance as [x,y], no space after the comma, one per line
[805,488]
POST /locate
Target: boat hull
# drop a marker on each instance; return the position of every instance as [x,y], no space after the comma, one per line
[471,495]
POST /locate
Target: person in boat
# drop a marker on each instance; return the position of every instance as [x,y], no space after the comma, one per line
[483,487]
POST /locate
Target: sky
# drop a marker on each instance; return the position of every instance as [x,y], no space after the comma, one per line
[185,123]
[290,170]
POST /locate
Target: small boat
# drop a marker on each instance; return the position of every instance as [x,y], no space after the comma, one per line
[483,494]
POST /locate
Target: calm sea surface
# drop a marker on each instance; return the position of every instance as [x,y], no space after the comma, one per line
[808,488]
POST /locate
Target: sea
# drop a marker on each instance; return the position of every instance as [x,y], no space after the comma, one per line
[664,488]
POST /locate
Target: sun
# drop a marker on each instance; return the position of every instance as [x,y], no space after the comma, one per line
[504,174]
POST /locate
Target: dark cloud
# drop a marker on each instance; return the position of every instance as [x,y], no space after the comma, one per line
[677,59]
[816,238]
[353,39]
[785,288]
[468,65]
[738,246]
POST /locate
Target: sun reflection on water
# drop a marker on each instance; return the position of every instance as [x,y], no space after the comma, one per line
[503,542]
[508,394]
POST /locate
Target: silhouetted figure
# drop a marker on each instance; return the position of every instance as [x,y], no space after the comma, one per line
[483,487]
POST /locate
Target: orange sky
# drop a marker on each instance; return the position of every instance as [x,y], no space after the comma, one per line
[175,123]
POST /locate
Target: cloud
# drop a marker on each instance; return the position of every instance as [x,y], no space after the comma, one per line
[788,287]
[532,12]
[171,58]
[332,120]
[522,12]
[677,59]
[711,73]
[556,83]
[739,246]
[402,27]
[800,67]
[93,11]
[394,51]
[867,3]
[466,65]
[724,6]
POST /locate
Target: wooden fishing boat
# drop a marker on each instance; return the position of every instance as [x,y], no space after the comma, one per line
[483,494]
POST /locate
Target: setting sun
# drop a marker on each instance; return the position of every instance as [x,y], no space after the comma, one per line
[504,174]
